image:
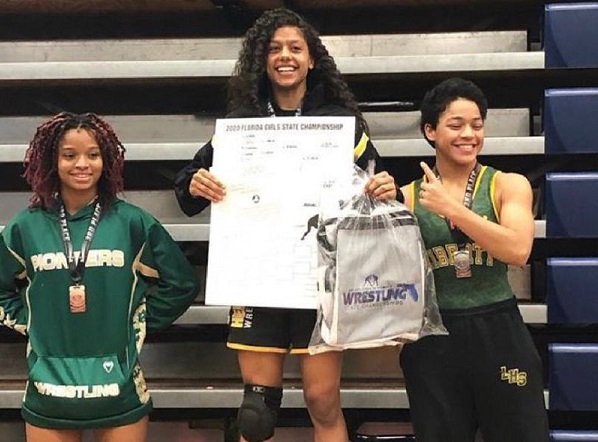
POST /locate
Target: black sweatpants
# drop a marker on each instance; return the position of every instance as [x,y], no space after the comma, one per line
[485,374]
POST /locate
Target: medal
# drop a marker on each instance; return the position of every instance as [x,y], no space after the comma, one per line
[77,302]
[77,298]
[462,264]
[462,257]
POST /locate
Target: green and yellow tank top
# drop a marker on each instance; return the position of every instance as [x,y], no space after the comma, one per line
[488,283]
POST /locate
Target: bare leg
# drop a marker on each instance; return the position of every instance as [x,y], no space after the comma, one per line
[261,368]
[321,389]
[37,434]
[135,432]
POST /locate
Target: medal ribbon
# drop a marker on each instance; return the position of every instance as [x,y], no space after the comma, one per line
[77,267]
[460,237]
[272,113]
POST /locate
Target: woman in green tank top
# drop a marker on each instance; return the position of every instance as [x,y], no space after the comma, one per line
[486,374]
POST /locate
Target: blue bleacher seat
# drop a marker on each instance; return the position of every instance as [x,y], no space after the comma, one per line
[570,119]
[571,288]
[570,35]
[573,384]
[570,208]
[573,436]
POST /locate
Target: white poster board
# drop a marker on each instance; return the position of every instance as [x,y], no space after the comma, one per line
[263,233]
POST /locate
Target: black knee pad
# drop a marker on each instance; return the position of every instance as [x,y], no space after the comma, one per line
[258,413]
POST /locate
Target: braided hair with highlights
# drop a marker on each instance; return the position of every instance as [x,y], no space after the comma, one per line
[41,158]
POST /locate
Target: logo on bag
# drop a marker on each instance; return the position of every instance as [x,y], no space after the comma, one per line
[373,294]
[108,366]
[371,281]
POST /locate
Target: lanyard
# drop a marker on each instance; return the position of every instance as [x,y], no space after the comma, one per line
[77,267]
[457,234]
[272,113]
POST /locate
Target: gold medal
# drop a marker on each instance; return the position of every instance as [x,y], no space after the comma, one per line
[77,298]
[462,264]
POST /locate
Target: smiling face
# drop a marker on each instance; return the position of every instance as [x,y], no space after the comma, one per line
[289,61]
[80,164]
[459,134]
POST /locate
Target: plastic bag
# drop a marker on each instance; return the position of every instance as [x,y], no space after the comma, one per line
[375,285]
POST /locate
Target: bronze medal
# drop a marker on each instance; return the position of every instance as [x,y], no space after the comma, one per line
[77,298]
[462,264]
[77,303]
[462,257]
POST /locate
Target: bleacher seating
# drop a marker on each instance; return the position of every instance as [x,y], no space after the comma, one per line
[569,209]
[571,34]
[569,119]
[571,290]
[573,382]
[570,30]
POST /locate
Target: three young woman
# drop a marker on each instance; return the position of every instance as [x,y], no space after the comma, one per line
[81,264]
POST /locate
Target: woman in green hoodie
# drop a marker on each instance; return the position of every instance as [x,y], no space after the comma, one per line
[82,275]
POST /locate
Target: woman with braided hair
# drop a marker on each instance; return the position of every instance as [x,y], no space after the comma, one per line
[283,69]
[82,275]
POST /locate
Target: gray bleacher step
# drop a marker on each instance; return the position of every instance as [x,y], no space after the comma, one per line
[149,151]
[178,137]
[147,131]
[212,314]
[534,313]
[55,71]
[382,397]
[181,228]
[204,315]
[174,130]
[201,231]
[112,8]
[219,397]
[484,62]
[162,204]
[161,59]
[510,122]
[91,71]
[185,49]
[492,146]
[386,147]
[153,59]
[188,232]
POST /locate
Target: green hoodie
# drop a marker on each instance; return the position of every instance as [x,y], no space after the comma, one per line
[84,367]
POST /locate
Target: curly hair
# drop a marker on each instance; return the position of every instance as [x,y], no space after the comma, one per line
[249,85]
[443,94]
[41,158]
